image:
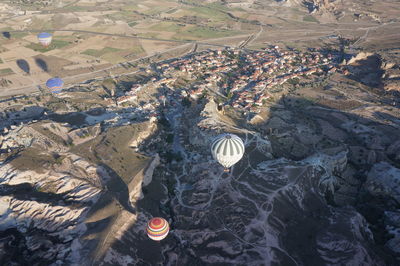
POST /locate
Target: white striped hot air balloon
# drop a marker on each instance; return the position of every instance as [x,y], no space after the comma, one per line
[157,228]
[227,149]
[45,38]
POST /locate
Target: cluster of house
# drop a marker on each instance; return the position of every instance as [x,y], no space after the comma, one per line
[246,78]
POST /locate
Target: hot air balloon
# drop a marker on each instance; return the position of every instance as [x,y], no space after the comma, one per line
[44,38]
[55,85]
[157,228]
[163,99]
[227,149]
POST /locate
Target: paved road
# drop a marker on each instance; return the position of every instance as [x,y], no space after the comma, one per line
[121,35]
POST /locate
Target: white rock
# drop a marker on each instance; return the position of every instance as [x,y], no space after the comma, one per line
[384,180]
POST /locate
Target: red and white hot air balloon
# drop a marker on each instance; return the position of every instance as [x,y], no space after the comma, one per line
[157,228]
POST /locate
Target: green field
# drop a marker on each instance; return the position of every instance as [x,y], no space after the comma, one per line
[212,14]
[6,71]
[77,8]
[18,35]
[309,18]
[55,44]
[156,10]
[198,33]
[99,53]
[132,23]
[137,49]
[166,26]
[115,58]
[124,16]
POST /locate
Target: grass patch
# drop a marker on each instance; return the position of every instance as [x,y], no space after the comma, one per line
[75,8]
[138,49]
[111,148]
[55,44]
[132,24]
[219,6]
[124,16]
[99,53]
[310,18]
[155,10]
[31,159]
[6,71]
[113,58]
[166,26]
[173,10]
[47,132]
[210,13]
[197,33]
[18,35]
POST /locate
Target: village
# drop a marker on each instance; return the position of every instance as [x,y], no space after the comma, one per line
[245,80]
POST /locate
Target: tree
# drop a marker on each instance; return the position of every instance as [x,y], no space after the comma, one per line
[170,138]
[294,81]
[186,102]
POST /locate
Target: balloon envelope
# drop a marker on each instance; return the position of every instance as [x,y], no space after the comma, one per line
[44,38]
[157,228]
[55,85]
[227,149]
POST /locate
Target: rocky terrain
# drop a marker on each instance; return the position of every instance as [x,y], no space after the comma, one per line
[318,184]
[82,172]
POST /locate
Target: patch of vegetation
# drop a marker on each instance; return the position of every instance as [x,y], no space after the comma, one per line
[211,13]
[170,138]
[294,81]
[6,71]
[31,159]
[155,10]
[111,149]
[18,35]
[113,58]
[164,122]
[195,33]
[98,53]
[166,26]
[173,156]
[310,18]
[125,15]
[186,102]
[132,23]
[75,8]
[219,6]
[55,44]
